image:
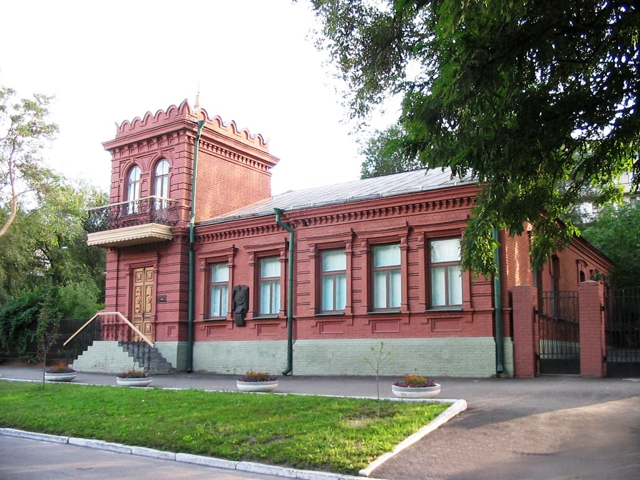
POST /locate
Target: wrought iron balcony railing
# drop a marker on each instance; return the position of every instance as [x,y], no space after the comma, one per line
[135,212]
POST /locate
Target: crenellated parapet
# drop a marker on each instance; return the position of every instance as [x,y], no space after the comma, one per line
[173,114]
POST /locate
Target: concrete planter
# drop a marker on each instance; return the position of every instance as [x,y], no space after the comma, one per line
[257,386]
[134,382]
[60,377]
[416,392]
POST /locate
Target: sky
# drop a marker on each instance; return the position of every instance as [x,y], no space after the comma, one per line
[253,62]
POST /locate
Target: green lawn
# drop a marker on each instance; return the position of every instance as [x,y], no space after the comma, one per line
[307,432]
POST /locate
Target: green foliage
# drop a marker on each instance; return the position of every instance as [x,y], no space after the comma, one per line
[18,323]
[537,100]
[25,319]
[616,232]
[383,157]
[24,131]
[307,432]
[47,244]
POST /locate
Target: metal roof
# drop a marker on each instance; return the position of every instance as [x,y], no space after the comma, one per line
[356,190]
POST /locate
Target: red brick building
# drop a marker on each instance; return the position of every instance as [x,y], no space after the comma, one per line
[372,261]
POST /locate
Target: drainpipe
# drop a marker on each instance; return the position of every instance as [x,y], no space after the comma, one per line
[497,303]
[289,368]
[192,236]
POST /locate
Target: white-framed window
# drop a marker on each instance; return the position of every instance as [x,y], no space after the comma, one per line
[219,290]
[446,273]
[333,280]
[133,189]
[161,184]
[269,286]
[387,284]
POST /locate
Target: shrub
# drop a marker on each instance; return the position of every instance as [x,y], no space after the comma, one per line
[415,381]
[134,374]
[252,376]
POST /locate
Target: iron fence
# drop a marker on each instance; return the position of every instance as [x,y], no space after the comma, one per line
[559,332]
[622,309]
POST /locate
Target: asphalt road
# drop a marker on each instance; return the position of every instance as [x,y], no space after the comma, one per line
[23,459]
[566,428]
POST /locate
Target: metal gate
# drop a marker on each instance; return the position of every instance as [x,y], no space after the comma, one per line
[622,308]
[558,333]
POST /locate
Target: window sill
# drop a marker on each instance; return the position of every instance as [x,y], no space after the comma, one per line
[329,314]
[383,312]
[267,317]
[444,309]
[214,319]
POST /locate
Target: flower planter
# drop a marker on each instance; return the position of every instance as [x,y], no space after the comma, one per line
[416,392]
[134,382]
[60,377]
[257,386]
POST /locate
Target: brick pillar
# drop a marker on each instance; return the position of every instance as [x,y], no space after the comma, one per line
[524,348]
[592,336]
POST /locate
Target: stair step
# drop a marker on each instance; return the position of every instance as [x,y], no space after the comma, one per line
[148,357]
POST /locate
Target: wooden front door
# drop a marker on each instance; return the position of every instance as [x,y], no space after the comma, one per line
[143,304]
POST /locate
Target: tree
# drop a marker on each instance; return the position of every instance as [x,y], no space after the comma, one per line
[616,231]
[47,332]
[47,244]
[24,130]
[383,158]
[536,99]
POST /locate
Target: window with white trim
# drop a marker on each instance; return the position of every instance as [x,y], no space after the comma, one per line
[445,273]
[269,286]
[387,284]
[133,189]
[161,185]
[334,280]
[219,299]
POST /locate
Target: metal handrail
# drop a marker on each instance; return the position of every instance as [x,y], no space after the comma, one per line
[118,314]
[130,201]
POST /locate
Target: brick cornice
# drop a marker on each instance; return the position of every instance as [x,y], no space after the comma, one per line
[313,217]
[298,218]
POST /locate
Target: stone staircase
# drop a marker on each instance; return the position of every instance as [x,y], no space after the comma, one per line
[116,357]
[149,358]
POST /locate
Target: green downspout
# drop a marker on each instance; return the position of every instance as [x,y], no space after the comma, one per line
[289,368]
[498,307]
[192,236]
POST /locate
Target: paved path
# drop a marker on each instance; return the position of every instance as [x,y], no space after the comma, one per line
[542,428]
[24,459]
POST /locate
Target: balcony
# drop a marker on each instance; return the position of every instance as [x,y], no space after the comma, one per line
[135,222]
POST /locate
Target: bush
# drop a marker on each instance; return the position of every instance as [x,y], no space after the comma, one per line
[19,315]
[252,376]
[415,381]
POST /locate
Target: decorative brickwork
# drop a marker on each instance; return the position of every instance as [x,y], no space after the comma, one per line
[592,332]
[524,338]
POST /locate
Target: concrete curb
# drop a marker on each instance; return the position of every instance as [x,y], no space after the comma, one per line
[150,452]
[208,461]
[179,457]
[457,407]
[43,437]
[100,445]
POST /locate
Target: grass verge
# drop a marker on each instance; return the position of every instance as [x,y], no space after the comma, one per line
[308,432]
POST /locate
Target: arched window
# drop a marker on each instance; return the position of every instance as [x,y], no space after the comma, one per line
[161,188]
[133,189]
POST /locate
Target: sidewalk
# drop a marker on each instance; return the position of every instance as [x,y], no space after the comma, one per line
[541,428]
